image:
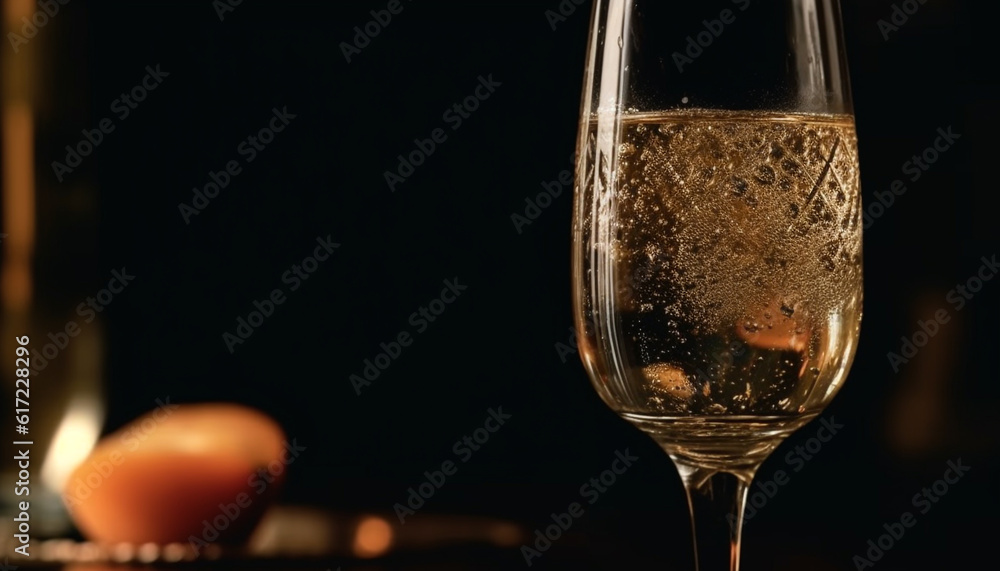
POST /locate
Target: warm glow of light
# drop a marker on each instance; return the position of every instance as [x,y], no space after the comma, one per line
[18,204]
[373,537]
[14,10]
[73,441]
[776,327]
[506,534]
[17,144]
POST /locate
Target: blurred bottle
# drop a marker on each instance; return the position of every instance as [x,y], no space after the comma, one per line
[48,252]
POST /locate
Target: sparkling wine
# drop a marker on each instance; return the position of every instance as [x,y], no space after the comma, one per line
[725,284]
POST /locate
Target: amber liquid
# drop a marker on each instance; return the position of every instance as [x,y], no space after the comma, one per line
[718,269]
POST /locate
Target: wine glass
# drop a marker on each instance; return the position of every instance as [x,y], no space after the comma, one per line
[717,234]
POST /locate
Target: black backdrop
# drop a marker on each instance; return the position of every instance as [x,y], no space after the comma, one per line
[496,344]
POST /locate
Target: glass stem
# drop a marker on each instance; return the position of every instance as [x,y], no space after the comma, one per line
[716,500]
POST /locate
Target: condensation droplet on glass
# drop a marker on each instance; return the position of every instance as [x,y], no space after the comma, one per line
[620,42]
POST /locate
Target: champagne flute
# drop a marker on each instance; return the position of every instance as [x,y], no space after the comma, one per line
[717,234]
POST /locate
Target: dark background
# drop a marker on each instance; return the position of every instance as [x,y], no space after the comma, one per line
[496,345]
